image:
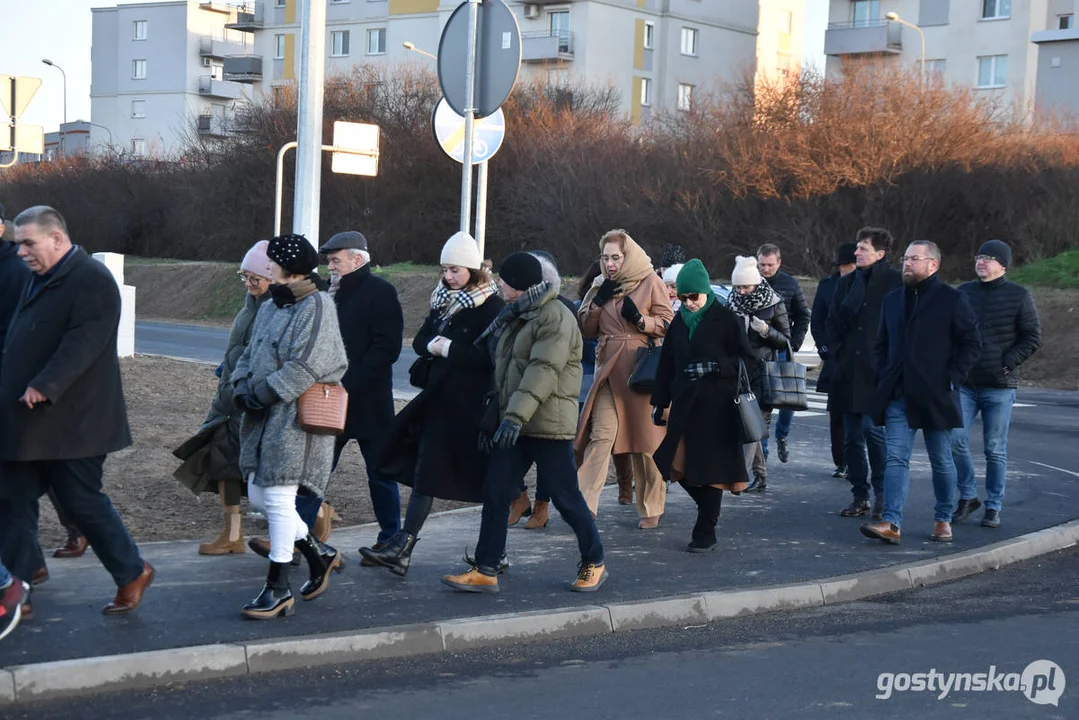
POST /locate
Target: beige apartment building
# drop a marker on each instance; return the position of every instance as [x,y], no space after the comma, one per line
[1025,52]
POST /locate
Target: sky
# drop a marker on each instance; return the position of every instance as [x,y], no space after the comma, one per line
[23,44]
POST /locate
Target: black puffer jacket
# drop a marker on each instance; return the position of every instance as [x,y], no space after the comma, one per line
[795,301]
[1010,329]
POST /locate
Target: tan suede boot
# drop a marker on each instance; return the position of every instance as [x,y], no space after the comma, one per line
[520,508]
[541,515]
[231,539]
[324,522]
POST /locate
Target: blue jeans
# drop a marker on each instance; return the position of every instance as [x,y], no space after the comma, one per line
[385,498]
[899,437]
[861,438]
[783,424]
[556,477]
[995,404]
[5,576]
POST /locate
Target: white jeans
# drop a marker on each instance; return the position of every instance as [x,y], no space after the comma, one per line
[278,504]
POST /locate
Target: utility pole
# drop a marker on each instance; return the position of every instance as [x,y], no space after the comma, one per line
[308,191]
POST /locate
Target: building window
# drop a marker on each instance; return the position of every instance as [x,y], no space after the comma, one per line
[996,9]
[1065,22]
[376,41]
[558,24]
[138,108]
[865,12]
[689,41]
[935,68]
[138,30]
[138,147]
[138,69]
[785,22]
[646,91]
[685,97]
[992,71]
[279,47]
[339,43]
[783,64]
[649,35]
[279,3]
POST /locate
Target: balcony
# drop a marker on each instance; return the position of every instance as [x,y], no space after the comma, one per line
[876,37]
[243,68]
[212,47]
[546,46]
[249,17]
[211,87]
[212,126]
[214,6]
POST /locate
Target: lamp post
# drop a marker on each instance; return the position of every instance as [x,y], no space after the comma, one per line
[894,17]
[50,63]
[413,48]
[94,124]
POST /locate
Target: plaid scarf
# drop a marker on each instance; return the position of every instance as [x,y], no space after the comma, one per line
[450,302]
[763,296]
[512,311]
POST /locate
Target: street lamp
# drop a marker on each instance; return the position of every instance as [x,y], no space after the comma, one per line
[50,63]
[894,17]
[94,124]
[413,48]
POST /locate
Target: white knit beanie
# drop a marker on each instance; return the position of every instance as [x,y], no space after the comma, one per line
[461,250]
[670,275]
[256,262]
[745,271]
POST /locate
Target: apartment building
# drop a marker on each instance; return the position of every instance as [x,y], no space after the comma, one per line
[158,73]
[1024,52]
[779,40]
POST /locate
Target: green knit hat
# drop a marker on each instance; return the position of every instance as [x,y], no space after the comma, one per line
[693,278]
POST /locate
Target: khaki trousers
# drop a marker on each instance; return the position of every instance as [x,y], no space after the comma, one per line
[592,474]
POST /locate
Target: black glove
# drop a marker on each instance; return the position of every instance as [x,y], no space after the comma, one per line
[263,394]
[483,442]
[605,292]
[630,311]
[657,416]
[506,435]
[249,404]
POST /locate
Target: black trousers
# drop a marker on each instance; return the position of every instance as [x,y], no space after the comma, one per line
[835,431]
[78,487]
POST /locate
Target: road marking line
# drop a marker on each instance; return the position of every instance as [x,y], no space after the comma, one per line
[1051,467]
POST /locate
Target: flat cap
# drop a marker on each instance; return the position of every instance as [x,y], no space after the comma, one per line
[347,240]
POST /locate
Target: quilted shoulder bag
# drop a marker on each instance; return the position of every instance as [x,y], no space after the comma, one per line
[783,385]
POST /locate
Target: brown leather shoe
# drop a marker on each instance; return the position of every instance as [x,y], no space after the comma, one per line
[883,531]
[74,548]
[520,508]
[649,523]
[129,596]
[857,508]
[541,515]
[41,575]
[942,532]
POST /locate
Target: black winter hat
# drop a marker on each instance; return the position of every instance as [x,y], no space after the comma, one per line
[672,255]
[294,253]
[997,249]
[521,270]
[844,254]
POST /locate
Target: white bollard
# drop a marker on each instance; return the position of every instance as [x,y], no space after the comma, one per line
[125,340]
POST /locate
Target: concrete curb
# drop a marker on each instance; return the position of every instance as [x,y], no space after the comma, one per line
[83,676]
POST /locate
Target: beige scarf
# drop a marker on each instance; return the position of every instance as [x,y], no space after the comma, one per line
[636,267]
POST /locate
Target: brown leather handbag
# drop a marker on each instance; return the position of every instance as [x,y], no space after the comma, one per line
[322,409]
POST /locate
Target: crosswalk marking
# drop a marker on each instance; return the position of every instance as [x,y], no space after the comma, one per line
[819,402]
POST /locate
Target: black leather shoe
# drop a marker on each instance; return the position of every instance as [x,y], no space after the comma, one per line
[364,551]
[396,553]
[991,519]
[782,450]
[840,472]
[701,545]
[276,598]
[964,509]
[503,564]
[878,509]
[321,561]
[857,508]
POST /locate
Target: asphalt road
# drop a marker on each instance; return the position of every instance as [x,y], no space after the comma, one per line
[844,661]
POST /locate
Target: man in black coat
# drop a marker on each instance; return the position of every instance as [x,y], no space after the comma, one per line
[851,338]
[372,326]
[822,301]
[1011,333]
[769,261]
[62,405]
[928,342]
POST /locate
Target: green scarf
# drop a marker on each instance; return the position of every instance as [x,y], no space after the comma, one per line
[693,319]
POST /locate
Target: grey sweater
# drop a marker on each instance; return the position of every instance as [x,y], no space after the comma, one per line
[291,348]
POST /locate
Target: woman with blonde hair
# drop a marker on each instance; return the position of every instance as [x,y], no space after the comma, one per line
[626,308]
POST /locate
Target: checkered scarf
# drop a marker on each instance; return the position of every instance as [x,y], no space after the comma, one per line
[763,296]
[450,302]
[514,310]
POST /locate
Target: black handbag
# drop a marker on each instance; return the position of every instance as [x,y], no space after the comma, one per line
[783,385]
[419,372]
[645,367]
[751,420]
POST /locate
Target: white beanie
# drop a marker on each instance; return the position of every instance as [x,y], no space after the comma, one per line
[670,275]
[461,250]
[745,271]
[256,262]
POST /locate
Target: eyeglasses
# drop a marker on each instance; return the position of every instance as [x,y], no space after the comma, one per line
[913,259]
[984,258]
[610,258]
[252,279]
[690,297]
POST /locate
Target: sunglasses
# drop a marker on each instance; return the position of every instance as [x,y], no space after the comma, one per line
[691,297]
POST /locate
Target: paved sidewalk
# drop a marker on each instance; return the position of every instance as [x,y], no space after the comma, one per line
[790,534]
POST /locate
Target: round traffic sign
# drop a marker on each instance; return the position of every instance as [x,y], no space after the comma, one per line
[498,57]
[449,128]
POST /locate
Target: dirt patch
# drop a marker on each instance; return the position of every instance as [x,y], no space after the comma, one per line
[1053,366]
[202,292]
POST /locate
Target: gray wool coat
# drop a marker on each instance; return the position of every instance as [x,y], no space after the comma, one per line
[291,348]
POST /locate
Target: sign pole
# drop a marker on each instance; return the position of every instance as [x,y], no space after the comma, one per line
[470,114]
[481,206]
[308,189]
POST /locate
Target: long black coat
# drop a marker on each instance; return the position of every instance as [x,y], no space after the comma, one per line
[818,324]
[62,342]
[432,443]
[14,274]
[928,343]
[851,329]
[703,411]
[372,325]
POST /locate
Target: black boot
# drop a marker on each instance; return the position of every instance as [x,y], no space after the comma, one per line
[276,599]
[703,539]
[396,555]
[321,560]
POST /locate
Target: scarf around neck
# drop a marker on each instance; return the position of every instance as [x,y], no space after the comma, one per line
[287,294]
[512,311]
[450,302]
[693,319]
[763,296]
[636,267]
